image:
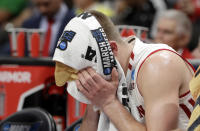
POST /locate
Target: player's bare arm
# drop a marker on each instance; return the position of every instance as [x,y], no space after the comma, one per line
[160,80]
[90,120]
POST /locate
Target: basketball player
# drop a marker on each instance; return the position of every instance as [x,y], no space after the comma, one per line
[157,86]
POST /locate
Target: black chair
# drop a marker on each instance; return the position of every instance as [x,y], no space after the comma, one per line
[29,119]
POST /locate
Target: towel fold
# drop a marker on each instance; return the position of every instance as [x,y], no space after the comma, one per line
[84,44]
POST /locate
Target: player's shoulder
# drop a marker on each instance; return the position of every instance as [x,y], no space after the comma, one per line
[164,58]
[163,62]
[162,68]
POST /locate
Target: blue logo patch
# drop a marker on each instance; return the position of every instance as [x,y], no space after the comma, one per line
[107,71]
[132,74]
[97,34]
[66,37]
[62,45]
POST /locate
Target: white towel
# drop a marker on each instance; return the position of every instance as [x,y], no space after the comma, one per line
[84,44]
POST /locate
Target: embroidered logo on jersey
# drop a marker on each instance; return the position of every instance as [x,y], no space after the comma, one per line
[107,58]
[66,37]
[133,74]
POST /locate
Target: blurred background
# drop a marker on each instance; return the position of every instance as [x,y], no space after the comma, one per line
[30,29]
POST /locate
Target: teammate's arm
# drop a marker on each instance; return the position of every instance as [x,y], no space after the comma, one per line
[90,120]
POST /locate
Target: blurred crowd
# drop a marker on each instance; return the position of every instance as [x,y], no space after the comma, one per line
[173,22]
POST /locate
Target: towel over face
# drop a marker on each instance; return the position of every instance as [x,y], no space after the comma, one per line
[82,44]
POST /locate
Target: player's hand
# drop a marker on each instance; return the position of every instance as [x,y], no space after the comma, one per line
[99,91]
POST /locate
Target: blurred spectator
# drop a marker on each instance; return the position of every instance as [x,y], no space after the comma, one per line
[69,3]
[195,35]
[83,5]
[170,3]
[138,12]
[9,9]
[196,51]
[189,7]
[13,12]
[174,28]
[51,16]
[192,9]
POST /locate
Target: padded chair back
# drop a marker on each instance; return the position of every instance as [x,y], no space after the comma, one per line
[29,119]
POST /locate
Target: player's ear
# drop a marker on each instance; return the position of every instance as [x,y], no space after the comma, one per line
[114,47]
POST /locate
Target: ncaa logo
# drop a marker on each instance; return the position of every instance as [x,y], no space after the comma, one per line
[62,45]
[107,71]
[66,37]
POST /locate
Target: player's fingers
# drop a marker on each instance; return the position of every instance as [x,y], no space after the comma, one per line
[88,76]
[115,76]
[82,89]
[95,76]
[83,82]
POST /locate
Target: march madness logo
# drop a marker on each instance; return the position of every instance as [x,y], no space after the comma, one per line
[66,37]
[105,50]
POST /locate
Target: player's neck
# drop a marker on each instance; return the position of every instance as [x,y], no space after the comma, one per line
[124,53]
